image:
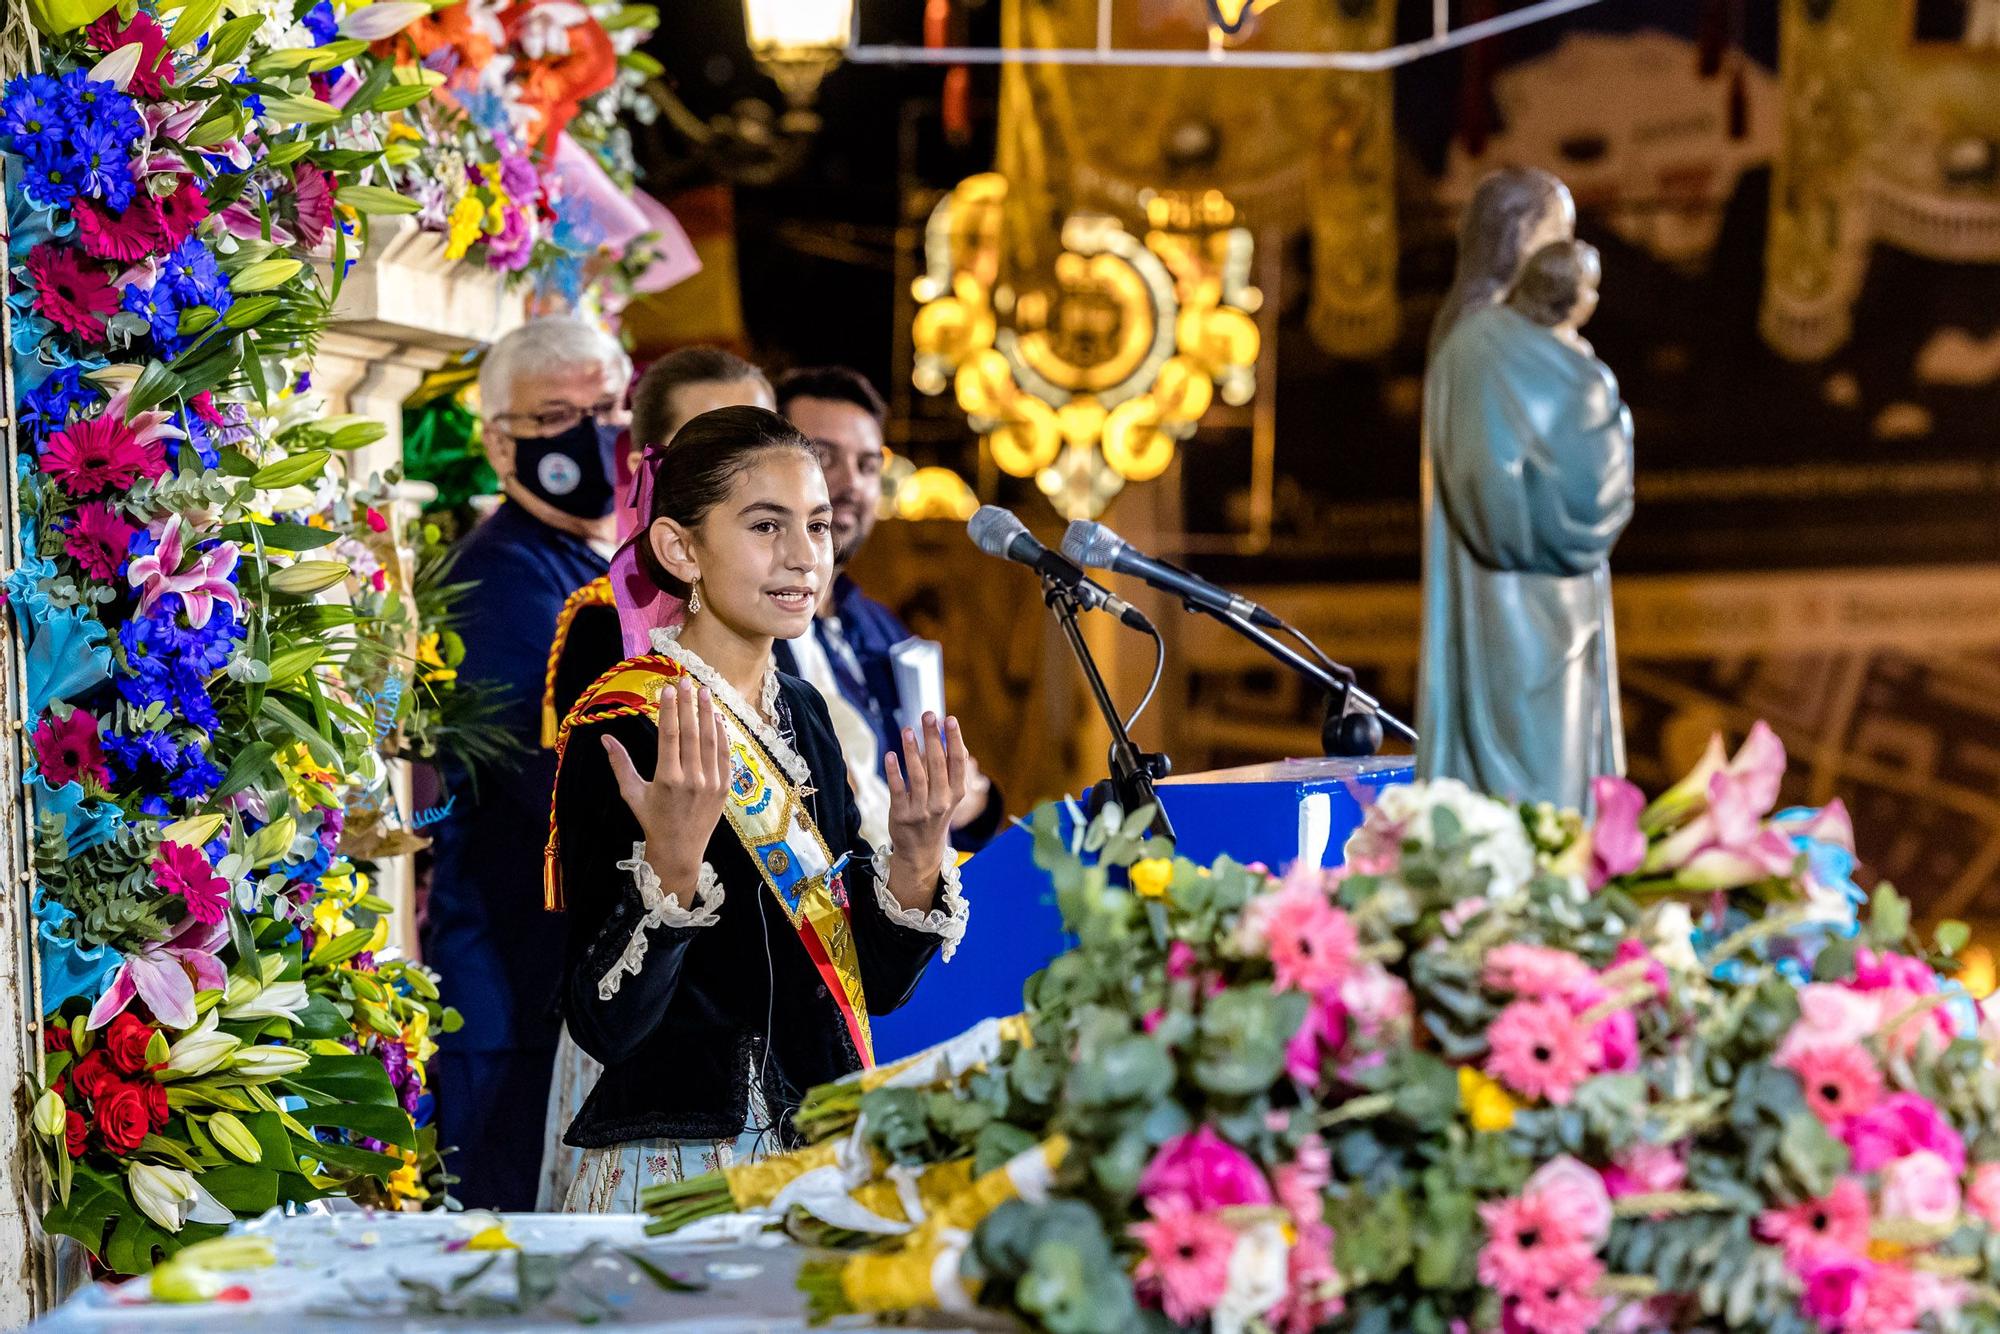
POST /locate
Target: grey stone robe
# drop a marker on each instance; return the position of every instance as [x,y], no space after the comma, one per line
[1530,483]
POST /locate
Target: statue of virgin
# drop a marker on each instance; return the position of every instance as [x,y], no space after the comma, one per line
[1527,485]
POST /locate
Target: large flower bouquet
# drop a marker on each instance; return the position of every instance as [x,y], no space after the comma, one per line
[225,1030]
[1503,1071]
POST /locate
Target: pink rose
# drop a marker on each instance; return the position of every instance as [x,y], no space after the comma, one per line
[1831,1015]
[1875,972]
[1324,1031]
[1618,1042]
[1901,1125]
[1202,1171]
[1836,1291]
[1922,1187]
[1376,999]
[1984,1195]
[1574,1198]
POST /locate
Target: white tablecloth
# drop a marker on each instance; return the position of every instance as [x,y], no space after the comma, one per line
[340,1272]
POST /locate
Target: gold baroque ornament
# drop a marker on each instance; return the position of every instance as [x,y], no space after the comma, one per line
[1089,376]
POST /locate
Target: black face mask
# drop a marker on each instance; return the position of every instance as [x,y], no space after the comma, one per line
[573,471]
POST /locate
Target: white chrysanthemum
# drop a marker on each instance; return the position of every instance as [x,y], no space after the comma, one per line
[1406,812]
[1668,932]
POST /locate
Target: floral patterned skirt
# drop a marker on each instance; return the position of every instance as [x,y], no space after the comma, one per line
[608,1180]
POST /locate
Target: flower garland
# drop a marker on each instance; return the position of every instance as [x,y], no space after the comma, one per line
[1504,1071]
[208,615]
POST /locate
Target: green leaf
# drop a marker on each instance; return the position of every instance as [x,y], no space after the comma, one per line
[347,1157]
[283,536]
[339,949]
[155,385]
[232,39]
[322,1018]
[287,151]
[293,471]
[242,1187]
[322,750]
[1952,936]
[642,63]
[1888,917]
[391,1125]
[351,1079]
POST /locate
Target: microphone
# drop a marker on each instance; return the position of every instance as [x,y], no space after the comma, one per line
[999,532]
[1096,547]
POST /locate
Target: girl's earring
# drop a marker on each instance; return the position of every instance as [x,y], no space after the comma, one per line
[694,598]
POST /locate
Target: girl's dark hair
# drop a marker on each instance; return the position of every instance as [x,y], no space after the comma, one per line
[1552,280]
[694,472]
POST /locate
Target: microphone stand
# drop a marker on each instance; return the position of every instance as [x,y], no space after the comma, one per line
[1340,688]
[1132,770]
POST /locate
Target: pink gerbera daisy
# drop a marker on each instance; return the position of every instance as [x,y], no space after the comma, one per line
[101,453]
[1539,1050]
[73,296]
[1561,1300]
[314,199]
[1528,1237]
[156,67]
[181,212]
[99,538]
[1311,943]
[182,870]
[125,237]
[1186,1261]
[68,750]
[1537,972]
[1840,1082]
[1820,1229]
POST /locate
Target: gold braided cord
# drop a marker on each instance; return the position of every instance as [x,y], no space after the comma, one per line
[596,593]
[589,710]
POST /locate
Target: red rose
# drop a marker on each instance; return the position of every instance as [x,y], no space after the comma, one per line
[126,1040]
[121,1118]
[156,1103]
[56,1037]
[75,1132]
[94,1076]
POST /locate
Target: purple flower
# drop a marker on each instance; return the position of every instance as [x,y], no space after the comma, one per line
[321,23]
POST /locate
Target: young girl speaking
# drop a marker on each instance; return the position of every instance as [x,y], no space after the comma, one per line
[730,931]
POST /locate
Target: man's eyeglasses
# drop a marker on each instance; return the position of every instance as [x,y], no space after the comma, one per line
[556,419]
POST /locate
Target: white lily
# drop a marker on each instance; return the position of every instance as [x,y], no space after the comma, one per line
[173,1198]
[199,1050]
[280,1000]
[384,18]
[118,68]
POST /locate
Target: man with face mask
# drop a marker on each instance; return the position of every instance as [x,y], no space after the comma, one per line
[847,654]
[552,398]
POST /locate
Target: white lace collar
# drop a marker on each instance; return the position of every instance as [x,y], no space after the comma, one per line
[667,643]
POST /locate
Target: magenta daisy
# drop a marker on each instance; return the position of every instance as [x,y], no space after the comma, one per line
[74,296]
[68,750]
[101,454]
[1539,1050]
[1186,1262]
[98,540]
[1821,1229]
[125,237]
[1840,1082]
[314,200]
[182,870]
[156,66]
[181,212]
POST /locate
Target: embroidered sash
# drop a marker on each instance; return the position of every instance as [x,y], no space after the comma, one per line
[770,820]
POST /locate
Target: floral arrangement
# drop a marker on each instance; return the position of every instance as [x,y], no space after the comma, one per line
[1505,1070]
[225,1027]
[522,162]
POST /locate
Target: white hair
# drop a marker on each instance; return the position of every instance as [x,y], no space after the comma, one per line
[556,342]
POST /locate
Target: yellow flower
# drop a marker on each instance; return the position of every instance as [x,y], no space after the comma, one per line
[1151,877]
[465,218]
[310,783]
[1489,1106]
[405,1184]
[493,1238]
[417,1037]
[330,917]
[429,657]
[402,129]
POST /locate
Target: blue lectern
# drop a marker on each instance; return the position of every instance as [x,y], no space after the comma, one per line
[1272,813]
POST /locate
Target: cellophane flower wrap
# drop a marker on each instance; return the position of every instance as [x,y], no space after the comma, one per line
[1507,1069]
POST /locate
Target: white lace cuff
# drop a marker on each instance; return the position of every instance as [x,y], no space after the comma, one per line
[947,920]
[704,910]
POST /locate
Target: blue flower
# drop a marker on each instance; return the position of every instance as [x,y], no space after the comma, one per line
[252,104]
[194,278]
[31,120]
[46,409]
[162,314]
[200,437]
[132,753]
[321,23]
[98,102]
[156,806]
[50,184]
[103,163]
[196,778]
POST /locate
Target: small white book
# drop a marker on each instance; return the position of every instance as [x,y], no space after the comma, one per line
[919,666]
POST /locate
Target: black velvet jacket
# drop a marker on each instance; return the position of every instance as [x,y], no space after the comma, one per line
[680,1038]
